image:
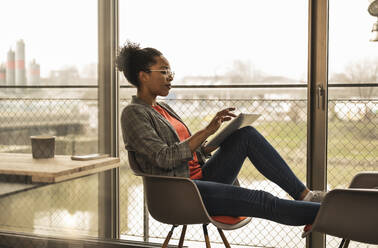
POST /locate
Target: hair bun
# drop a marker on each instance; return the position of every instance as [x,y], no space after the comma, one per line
[126,54]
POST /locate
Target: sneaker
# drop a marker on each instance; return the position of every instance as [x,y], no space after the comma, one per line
[315,196]
[306,230]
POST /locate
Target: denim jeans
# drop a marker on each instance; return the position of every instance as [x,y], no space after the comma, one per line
[220,171]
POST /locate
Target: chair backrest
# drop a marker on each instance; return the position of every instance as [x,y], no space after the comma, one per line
[367,180]
[134,164]
[171,200]
[174,200]
[350,214]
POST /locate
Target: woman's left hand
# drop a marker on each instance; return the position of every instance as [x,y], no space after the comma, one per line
[219,118]
[199,137]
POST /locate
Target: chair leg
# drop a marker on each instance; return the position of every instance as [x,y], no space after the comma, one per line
[225,242]
[344,243]
[183,231]
[207,240]
[166,241]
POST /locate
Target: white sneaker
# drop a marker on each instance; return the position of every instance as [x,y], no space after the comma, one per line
[315,196]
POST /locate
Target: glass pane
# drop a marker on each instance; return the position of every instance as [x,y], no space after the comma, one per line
[226,43]
[352,111]
[45,44]
[239,42]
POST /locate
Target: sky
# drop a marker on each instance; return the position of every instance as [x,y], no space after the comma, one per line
[56,33]
[199,37]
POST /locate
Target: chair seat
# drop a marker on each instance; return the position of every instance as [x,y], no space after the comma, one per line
[225,226]
[231,220]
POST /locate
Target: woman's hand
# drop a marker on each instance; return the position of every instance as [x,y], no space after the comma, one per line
[199,137]
[219,118]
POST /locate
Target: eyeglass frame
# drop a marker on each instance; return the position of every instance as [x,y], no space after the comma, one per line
[168,72]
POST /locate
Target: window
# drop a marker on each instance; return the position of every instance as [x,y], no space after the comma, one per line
[48,53]
[251,48]
[353,97]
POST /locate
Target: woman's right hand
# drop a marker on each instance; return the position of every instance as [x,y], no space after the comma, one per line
[219,118]
[199,137]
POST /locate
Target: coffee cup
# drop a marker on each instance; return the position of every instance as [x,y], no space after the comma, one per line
[43,146]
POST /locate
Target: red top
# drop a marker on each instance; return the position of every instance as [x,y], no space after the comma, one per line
[183,133]
[194,167]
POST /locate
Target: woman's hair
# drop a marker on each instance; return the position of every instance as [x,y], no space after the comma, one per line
[132,59]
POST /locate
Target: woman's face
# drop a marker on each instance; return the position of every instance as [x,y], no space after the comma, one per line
[158,81]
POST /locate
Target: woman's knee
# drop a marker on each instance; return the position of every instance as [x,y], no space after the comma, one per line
[248,129]
[249,132]
[243,136]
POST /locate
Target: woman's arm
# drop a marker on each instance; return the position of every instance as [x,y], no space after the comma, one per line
[140,134]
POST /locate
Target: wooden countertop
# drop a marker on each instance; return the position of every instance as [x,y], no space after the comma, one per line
[52,170]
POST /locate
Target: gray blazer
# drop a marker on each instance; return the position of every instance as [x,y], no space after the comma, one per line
[155,142]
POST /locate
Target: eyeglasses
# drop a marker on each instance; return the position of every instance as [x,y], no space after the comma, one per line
[167,72]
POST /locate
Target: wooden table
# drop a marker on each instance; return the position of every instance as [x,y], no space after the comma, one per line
[36,172]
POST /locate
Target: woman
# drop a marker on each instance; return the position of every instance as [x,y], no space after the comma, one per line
[163,145]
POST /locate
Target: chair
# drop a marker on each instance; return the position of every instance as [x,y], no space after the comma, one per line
[177,201]
[351,214]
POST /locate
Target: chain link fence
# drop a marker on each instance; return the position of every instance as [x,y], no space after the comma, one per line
[352,145]
[279,117]
[71,207]
[284,124]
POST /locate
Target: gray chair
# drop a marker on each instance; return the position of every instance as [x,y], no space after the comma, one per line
[177,201]
[351,214]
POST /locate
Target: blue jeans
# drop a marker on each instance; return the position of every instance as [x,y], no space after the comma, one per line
[220,171]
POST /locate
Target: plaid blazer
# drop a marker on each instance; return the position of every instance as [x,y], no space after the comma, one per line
[154,141]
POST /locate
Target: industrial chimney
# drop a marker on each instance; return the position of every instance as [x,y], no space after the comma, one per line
[2,74]
[34,73]
[20,63]
[10,73]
